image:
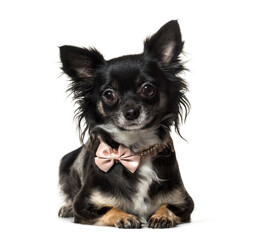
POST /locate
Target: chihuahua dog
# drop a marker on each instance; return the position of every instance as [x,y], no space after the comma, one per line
[126,174]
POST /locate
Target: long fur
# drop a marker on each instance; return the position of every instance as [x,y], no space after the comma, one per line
[82,91]
[155,192]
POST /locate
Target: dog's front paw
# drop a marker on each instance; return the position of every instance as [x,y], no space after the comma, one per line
[163,218]
[65,211]
[128,221]
[157,221]
[118,218]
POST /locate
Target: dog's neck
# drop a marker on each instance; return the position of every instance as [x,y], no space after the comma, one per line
[136,140]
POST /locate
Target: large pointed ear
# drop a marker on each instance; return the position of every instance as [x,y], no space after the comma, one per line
[80,62]
[166,44]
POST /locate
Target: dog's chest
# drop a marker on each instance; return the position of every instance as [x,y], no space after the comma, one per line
[142,204]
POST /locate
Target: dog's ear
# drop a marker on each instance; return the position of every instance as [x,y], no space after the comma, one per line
[166,44]
[80,62]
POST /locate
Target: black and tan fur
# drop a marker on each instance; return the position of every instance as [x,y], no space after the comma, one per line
[147,90]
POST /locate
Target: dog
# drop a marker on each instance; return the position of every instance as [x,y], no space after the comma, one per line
[126,174]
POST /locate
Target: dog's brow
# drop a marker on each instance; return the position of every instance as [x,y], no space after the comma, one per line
[138,80]
[114,84]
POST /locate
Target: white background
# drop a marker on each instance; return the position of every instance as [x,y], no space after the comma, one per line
[37,129]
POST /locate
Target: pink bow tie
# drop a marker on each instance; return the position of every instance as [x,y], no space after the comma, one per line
[106,156]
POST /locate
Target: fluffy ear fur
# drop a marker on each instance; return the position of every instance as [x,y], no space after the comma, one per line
[81,65]
[166,44]
[165,47]
[80,62]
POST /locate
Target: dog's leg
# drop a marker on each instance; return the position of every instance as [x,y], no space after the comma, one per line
[169,215]
[66,211]
[163,218]
[95,211]
[106,216]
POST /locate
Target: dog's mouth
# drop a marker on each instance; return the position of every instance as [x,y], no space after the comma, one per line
[131,127]
[140,123]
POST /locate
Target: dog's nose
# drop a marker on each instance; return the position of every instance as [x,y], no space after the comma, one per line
[132,113]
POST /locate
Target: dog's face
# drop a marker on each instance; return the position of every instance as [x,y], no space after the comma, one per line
[128,95]
[131,92]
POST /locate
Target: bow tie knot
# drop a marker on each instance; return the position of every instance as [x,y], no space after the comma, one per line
[107,156]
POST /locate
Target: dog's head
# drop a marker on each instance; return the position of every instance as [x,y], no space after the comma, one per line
[130,92]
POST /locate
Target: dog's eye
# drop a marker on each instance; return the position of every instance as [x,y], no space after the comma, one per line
[109,96]
[148,90]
